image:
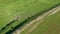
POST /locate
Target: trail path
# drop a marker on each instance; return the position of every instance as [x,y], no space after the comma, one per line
[41,17]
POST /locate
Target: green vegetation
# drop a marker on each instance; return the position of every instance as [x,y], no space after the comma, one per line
[50,25]
[23,8]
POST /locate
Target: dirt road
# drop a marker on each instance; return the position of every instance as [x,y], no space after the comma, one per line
[53,11]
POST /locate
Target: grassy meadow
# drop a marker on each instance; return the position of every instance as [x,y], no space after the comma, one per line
[22,8]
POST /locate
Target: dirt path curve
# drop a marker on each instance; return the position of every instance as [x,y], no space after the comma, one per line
[18,31]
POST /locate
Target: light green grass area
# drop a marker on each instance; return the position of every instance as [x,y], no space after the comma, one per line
[23,8]
[50,25]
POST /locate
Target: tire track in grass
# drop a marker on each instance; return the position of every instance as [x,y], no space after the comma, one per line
[18,31]
[55,10]
[35,26]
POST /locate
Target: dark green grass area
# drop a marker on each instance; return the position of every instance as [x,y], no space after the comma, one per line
[23,8]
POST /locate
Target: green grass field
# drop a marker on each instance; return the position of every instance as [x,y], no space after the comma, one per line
[50,25]
[23,8]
